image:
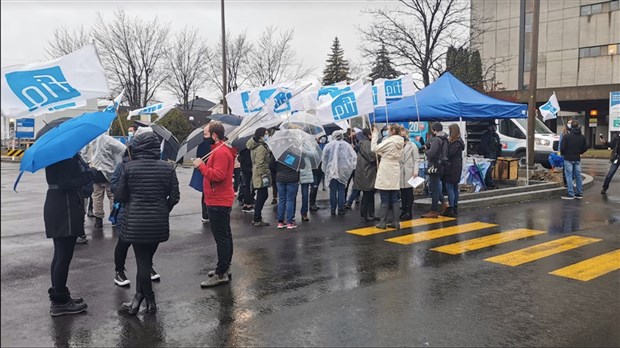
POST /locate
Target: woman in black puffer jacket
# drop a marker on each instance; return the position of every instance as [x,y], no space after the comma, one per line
[149,188]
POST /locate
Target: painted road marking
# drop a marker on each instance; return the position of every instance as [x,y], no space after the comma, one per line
[542,250]
[368,231]
[486,241]
[439,233]
[591,268]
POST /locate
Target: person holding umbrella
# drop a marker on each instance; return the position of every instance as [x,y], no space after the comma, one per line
[150,189]
[63,214]
[261,175]
[219,198]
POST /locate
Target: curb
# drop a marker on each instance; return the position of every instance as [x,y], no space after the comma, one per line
[508,196]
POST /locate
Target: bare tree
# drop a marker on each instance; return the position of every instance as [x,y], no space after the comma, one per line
[418,33]
[132,52]
[274,59]
[187,65]
[67,40]
[238,49]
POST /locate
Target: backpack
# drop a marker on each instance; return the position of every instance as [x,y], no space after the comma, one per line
[442,165]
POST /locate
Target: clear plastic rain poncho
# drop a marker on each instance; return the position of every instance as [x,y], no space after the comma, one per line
[104,154]
[339,159]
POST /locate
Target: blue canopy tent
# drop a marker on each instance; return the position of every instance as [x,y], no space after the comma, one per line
[448,99]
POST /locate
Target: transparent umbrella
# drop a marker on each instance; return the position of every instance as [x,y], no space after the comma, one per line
[295,148]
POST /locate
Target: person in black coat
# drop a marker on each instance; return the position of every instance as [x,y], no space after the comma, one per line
[149,188]
[203,149]
[490,147]
[63,214]
[245,160]
[452,177]
[614,144]
[573,145]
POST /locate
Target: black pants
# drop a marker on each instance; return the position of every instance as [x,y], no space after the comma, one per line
[120,254]
[236,178]
[248,198]
[406,197]
[220,227]
[205,212]
[261,198]
[488,178]
[144,261]
[367,206]
[274,185]
[63,253]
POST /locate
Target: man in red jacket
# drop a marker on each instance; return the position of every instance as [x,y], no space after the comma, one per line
[219,197]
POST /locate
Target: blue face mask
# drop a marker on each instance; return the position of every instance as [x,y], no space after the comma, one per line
[266,137]
[385,134]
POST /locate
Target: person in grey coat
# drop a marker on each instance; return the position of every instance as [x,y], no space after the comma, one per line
[364,180]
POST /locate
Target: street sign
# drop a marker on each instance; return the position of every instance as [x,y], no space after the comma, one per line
[593,121]
[614,113]
[25,128]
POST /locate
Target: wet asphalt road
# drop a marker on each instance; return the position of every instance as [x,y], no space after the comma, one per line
[318,285]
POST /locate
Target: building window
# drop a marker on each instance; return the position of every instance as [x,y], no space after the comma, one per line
[598,51]
[600,7]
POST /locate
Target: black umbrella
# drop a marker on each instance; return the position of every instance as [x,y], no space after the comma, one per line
[192,141]
[50,125]
[227,119]
[170,143]
[239,143]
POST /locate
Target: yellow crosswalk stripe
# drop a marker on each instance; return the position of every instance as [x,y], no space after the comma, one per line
[486,241]
[439,233]
[591,268]
[368,231]
[542,250]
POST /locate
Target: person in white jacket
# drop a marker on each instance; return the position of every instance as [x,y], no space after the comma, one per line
[408,170]
[388,174]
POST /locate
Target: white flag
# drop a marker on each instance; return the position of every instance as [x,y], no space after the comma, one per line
[160,109]
[550,109]
[397,88]
[378,96]
[347,105]
[113,106]
[63,83]
[248,102]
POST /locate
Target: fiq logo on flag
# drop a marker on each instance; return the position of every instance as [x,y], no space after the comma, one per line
[344,106]
[38,88]
[393,88]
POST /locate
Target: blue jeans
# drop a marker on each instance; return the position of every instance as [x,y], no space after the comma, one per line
[305,188]
[436,194]
[610,174]
[388,197]
[354,196]
[287,195]
[453,194]
[336,195]
[573,168]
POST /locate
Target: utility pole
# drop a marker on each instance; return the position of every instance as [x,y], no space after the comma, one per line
[224,70]
[531,109]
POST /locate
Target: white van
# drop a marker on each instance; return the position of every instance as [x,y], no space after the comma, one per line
[512,134]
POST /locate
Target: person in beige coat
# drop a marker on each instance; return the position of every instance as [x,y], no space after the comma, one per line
[388,174]
[408,170]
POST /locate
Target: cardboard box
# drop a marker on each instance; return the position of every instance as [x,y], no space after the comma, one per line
[506,168]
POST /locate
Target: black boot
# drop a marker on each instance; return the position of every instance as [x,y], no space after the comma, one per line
[383,213]
[133,307]
[395,210]
[151,307]
[448,212]
[62,304]
[313,192]
[98,222]
[74,300]
[455,211]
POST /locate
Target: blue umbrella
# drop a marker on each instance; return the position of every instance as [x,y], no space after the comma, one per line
[64,141]
[225,118]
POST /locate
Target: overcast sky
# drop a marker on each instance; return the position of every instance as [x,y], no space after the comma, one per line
[27,26]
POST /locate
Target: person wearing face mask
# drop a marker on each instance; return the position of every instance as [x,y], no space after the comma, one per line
[130,132]
[196,181]
[437,155]
[408,170]
[564,132]
[339,161]
[388,174]
[261,176]
[490,147]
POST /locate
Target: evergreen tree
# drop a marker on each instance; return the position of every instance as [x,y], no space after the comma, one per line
[465,66]
[382,67]
[337,68]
